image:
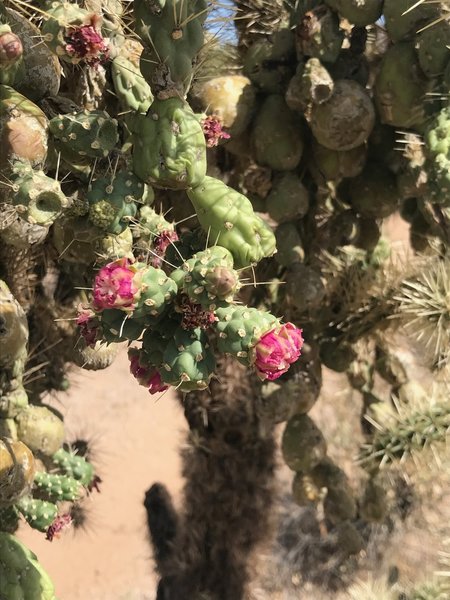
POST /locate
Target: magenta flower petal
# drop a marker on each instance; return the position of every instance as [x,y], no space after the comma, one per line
[114,286]
[277,350]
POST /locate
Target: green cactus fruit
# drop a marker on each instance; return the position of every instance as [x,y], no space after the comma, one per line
[172,34]
[91,134]
[318,35]
[339,505]
[358,12]
[373,194]
[228,218]
[111,247]
[13,329]
[304,287]
[312,84]
[304,491]
[405,17]
[337,355]
[369,234]
[169,148]
[38,199]
[289,245]
[188,361]
[9,521]
[334,165]
[113,201]
[40,429]
[432,45]
[232,98]
[12,402]
[401,87]
[132,90]
[267,62]
[277,135]
[303,445]
[17,469]
[346,120]
[23,130]
[118,326]
[152,227]
[239,328]
[57,487]
[437,151]
[208,278]
[288,199]
[41,71]
[21,575]
[73,33]
[349,540]
[373,504]
[76,467]
[157,290]
[39,514]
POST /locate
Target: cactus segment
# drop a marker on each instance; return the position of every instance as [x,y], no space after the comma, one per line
[40,429]
[169,148]
[133,91]
[228,218]
[57,487]
[21,575]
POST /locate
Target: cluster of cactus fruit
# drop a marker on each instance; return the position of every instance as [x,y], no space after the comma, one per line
[306,138]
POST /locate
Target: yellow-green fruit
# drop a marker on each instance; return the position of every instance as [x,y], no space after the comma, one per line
[40,429]
[303,445]
[232,98]
[277,135]
[17,468]
[13,329]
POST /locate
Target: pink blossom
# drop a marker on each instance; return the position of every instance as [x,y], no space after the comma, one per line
[59,524]
[212,128]
[146,375]
[86,42]
[164,239]
[114,286]
[88,324]
[277,350]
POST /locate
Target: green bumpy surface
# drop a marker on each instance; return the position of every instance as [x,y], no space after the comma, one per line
[21,575]
[39,514]
[240,328]
[437,144]
[157,291]
[57,487]
[132,90]
[229,220]
[172,34]
[118,326]
[188,361]
[37,198]
[74,466]
[93,134]
[169,149]
[208,277]
[113,201]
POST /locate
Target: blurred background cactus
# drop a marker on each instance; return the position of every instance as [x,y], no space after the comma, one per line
[207,184]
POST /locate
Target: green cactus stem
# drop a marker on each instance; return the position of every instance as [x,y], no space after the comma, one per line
[228,218]
[21,575]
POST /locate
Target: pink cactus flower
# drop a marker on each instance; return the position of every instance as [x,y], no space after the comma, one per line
[114,286]
[164,239]
[277,350]
[212,128]
[147,376]
[86,42]
[88,324]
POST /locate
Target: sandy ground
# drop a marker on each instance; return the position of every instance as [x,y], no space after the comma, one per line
[135,442]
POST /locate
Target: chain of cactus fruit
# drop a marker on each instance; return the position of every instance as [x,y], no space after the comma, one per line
[322,135]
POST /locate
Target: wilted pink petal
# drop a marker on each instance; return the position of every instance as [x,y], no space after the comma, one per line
[146,375]
[212,128]
[61,522]
[86,42]
[88,324]
[277,350]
